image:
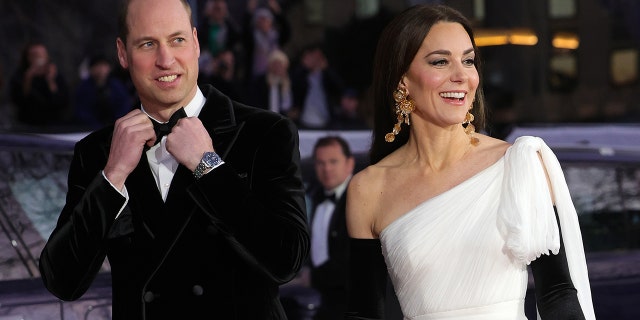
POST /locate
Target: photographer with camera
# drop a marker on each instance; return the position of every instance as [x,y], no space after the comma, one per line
[37,90]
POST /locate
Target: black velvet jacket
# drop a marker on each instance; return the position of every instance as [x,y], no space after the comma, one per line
[219,247]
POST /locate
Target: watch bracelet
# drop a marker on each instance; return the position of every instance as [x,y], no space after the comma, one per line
[199,171]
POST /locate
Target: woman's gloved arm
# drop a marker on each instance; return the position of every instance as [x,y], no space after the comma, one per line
[556,297]
[367,280]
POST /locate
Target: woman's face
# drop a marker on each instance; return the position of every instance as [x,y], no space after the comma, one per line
[38,55]
[277,68]
[442,78]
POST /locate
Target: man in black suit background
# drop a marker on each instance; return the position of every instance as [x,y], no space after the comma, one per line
[204,222]
[316,88]
[334,165]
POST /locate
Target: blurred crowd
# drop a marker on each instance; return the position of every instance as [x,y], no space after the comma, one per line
[245,57]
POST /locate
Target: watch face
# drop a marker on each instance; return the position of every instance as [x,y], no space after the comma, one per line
[211,159]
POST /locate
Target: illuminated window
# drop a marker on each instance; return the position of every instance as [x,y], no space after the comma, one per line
[478,9]
[563,71]
[624,66]
[562,8]
[314,11]
[565,40]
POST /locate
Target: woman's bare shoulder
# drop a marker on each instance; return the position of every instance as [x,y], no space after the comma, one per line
[491,142]
[362,201]
[366,184]
[492,148]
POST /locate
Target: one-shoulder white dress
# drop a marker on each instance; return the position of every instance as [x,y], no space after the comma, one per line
[464,253]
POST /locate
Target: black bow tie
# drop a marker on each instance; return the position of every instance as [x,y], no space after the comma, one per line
[163,129]
[323,197]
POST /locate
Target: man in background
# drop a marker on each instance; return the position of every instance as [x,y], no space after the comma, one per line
[334,165]
[100,98]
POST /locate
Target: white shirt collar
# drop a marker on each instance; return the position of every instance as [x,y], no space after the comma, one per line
[192,109]
[159,153]
[340,189]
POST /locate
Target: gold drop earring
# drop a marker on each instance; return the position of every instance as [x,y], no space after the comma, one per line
[403,108]
[469,128]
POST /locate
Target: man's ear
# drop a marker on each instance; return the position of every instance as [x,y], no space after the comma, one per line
[195,38]
[351,162]
[122,53]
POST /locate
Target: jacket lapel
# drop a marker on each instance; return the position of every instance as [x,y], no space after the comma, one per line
[219,119]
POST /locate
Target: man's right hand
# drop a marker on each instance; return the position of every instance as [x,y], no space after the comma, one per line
[130,135]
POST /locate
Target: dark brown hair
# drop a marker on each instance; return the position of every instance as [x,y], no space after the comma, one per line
[331,140]
[397,46]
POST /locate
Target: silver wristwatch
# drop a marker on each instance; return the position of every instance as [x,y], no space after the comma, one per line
[209,160]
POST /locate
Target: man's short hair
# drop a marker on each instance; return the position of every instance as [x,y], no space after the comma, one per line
[331,140]
[123,27]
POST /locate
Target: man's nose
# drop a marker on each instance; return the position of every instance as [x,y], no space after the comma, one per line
[165,57]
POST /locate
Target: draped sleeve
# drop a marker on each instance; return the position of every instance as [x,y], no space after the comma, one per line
[527,216]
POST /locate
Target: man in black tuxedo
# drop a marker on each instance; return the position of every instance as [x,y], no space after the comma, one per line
[334,165]
[205,222]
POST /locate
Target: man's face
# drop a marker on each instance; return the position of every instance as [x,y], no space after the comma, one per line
[38,57]
[161,53]
[219,10]
[264,23]
[277,68]
[332,166]
[100,72]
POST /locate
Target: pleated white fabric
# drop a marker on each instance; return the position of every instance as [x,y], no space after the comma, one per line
[525,211]
[464,253]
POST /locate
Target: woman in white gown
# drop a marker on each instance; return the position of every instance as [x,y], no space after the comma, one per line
[455,217]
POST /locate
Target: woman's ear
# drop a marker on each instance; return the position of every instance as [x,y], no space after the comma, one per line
[402,84]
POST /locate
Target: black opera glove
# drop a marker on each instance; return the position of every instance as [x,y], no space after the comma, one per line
[556,297]
[367,280]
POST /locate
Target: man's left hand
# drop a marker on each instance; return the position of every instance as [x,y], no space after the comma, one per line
[188,141]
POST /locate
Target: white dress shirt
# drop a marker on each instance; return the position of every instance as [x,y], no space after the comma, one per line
[320,226]
[315,113]
[279,98]
[162,164]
